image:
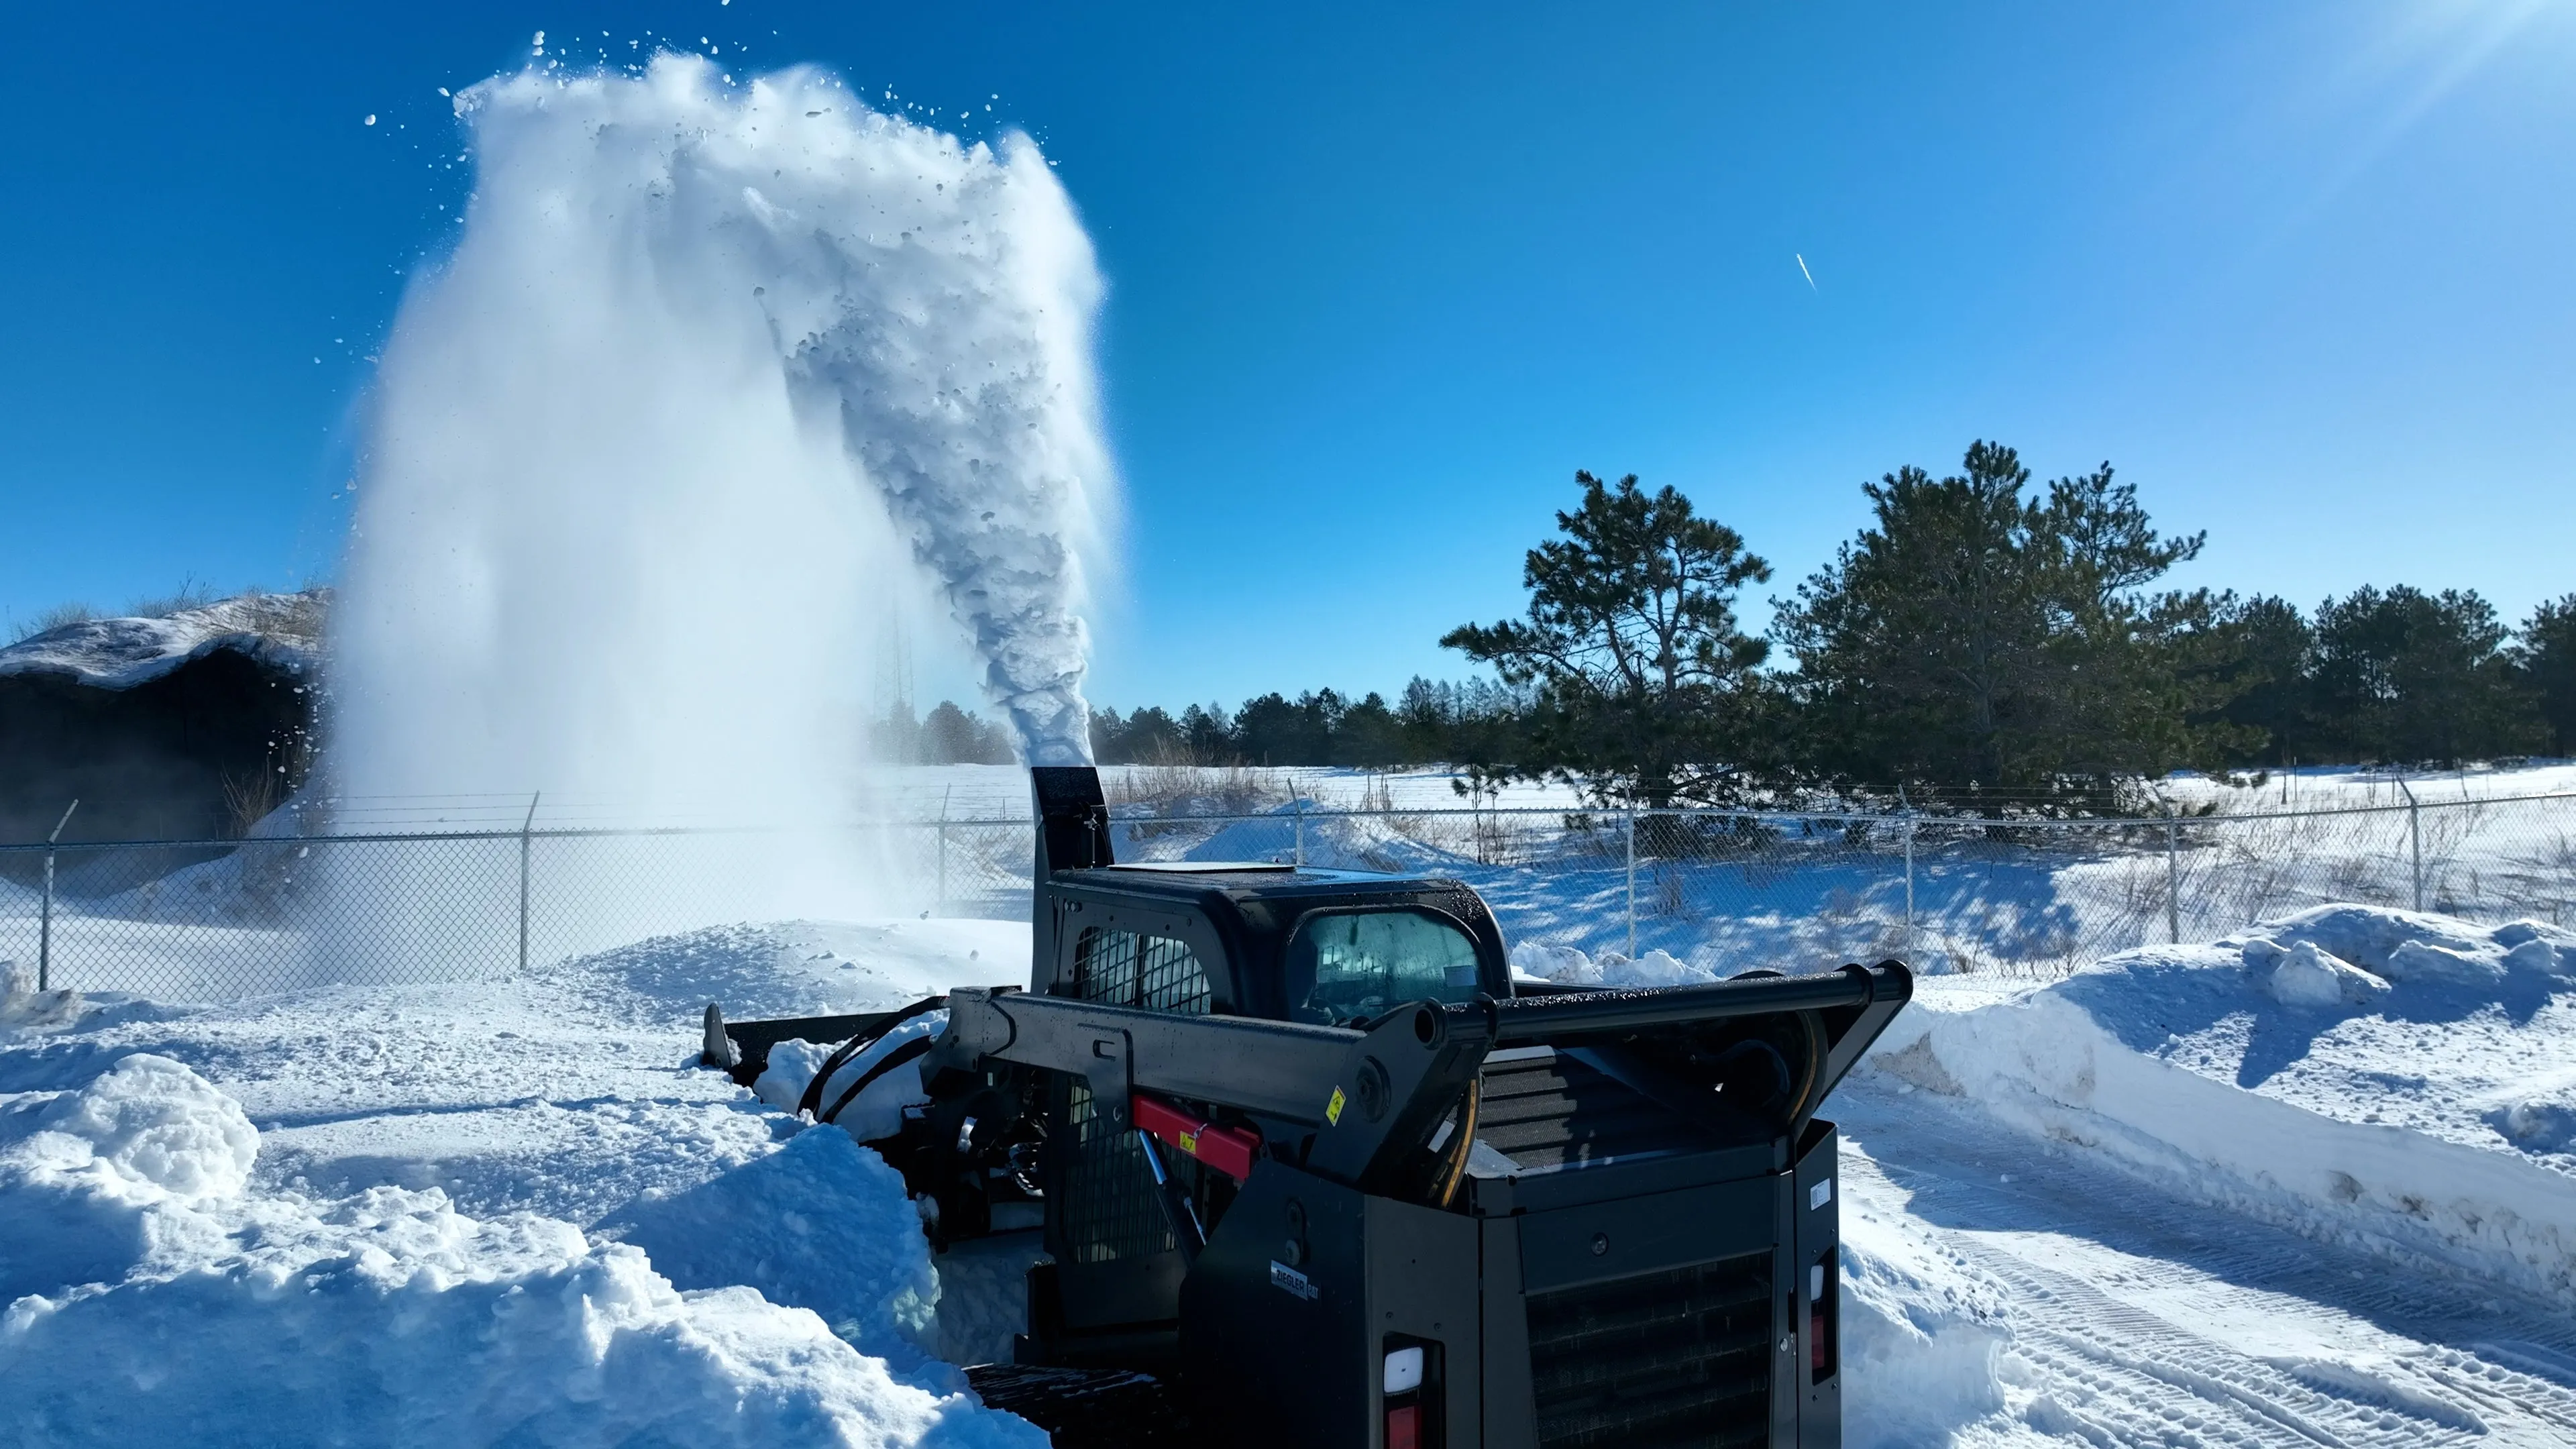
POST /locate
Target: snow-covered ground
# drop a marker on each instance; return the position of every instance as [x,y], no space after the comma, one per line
[507,1212]
[2309,1185]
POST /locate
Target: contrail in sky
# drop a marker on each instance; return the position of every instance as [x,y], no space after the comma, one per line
[1802,271]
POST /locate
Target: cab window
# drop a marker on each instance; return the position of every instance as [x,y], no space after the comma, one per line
[1367,963]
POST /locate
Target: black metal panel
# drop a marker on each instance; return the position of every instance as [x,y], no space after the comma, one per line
[1274,1339]
[1677,1357]
[1560,1014]
[1625,1236]
[1511,1414]
[753,1040]
[1422,1285]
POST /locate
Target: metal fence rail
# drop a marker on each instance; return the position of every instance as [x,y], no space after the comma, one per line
[1712,891]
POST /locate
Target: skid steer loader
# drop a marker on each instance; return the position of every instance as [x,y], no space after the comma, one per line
[1314,1171]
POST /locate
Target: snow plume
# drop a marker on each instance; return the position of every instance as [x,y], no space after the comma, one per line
[710,366]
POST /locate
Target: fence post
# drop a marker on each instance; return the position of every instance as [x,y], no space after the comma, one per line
[1297,807]
[1909,881]
[1632,880]
[525,827]
[942,906]
[45,922]
[2414,839]
[2173,873]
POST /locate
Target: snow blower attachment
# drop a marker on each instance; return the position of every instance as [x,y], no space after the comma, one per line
[1313,1171]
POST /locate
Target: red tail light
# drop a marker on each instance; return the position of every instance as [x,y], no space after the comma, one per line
[1404,1426]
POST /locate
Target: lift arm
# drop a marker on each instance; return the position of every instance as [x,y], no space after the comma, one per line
[1373,1098]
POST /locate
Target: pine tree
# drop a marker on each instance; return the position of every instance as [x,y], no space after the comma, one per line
[2545,662]
[2266,650]
[1983,646]
[1644,685]
[2407,676]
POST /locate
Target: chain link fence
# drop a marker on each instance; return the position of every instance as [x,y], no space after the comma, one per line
[1682,892]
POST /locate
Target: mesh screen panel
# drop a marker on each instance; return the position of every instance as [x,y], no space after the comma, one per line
[1152,973]
[1111,1209]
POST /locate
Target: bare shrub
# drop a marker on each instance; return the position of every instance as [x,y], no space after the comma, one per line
[250,797]
[1176,785]
[189,595]
[60,616]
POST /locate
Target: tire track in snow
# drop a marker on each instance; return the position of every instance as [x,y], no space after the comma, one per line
[2154,1381]
[2143,1318]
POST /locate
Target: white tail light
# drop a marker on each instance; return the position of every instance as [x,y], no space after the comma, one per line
[1404,1370]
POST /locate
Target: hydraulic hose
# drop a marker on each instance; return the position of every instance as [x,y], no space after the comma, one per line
[811,1100]
[910,1051]
[1453,1170]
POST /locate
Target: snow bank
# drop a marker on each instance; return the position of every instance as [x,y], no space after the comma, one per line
[1923,1333]
[155,1285]
[819,1224]
[2403,1081]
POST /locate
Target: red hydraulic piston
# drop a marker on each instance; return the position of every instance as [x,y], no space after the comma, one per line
[1229,1150]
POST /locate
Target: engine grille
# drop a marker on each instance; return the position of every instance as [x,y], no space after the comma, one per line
[1679,1357]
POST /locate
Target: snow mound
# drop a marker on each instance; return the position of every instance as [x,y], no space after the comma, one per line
[115,1173]
[156,1284]
[24,1008]
[1570,966]
[146,1131]
[2309,975]
[2402,1081]
[820,1224]
[2421,949]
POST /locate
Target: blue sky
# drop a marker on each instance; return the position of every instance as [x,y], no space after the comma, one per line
[1381,278]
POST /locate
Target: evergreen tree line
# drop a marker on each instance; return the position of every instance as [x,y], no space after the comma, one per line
[1984,644]
[1444,722]
[1429,723]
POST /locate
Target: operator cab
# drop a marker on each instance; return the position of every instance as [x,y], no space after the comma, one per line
[1328,948]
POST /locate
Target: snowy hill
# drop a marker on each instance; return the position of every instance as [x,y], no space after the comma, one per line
[283,631]
[174,728]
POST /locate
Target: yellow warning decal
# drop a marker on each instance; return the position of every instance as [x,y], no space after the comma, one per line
[1190,1143]
[1333,1109]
